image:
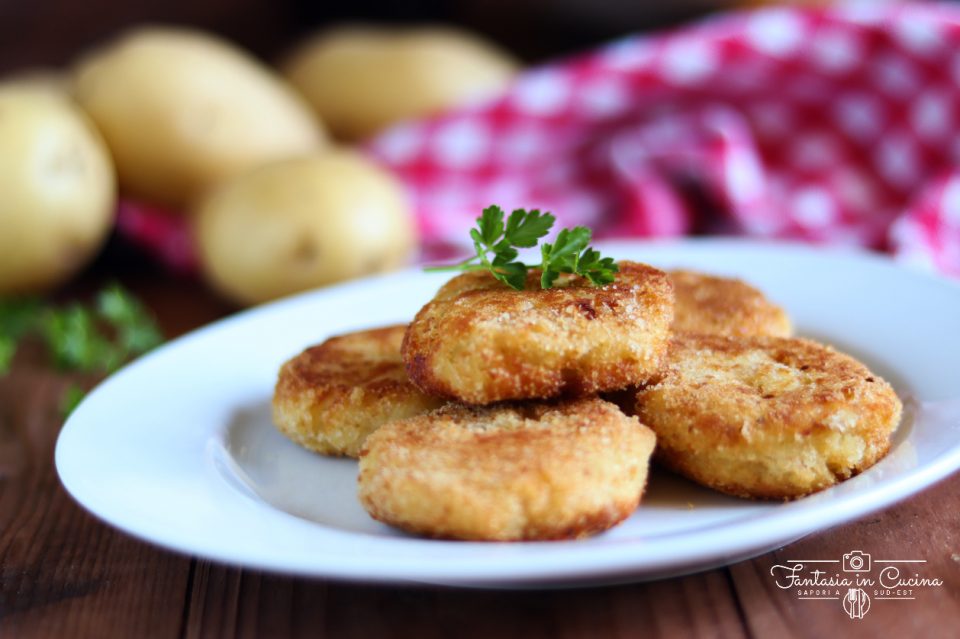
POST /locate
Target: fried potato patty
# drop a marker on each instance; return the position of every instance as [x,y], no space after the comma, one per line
[724,306]
[507,472]
[480,341]
[767,417]
[331,396]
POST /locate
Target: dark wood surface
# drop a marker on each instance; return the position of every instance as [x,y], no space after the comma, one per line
[65,574]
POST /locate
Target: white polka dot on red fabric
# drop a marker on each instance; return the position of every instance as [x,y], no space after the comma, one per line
[777,32]
[836,51]
[461,143]
[913,247]
[688,60]
[847,235]
[813,207]
[603,98]
[949,257]
[860,115]
[543,92]
[866,12]
[896,159]
[917,30]
[854,189]
[401,144]
[950,202]
[895,75]
[743,175]
[506,192]
[453,197]
[521,145]
[578,208]
[931,115]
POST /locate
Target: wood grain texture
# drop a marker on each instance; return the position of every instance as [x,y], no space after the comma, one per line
[227,602]
[926,527]
[64,574]
[61,572]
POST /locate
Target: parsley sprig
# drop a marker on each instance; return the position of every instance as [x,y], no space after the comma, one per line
[97,338]
[496,243]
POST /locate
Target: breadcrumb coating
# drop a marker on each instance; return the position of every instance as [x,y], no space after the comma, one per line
[332,396]
[767,417]
[480,341]
[526,471]
[724,306]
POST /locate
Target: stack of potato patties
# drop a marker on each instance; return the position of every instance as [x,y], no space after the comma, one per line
[488,417]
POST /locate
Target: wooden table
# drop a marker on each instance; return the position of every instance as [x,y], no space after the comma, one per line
[65,574]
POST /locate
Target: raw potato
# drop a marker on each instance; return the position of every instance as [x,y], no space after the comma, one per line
[182,110]
[57,189]
[361,79]
[302,223]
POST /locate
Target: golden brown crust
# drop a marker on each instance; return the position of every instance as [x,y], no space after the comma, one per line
[331,396]
[479,341]
[767,417]
[555,470]
[724,306]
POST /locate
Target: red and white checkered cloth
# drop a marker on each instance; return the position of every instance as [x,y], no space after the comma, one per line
[836,125]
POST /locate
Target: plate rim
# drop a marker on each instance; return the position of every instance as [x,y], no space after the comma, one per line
[837,511]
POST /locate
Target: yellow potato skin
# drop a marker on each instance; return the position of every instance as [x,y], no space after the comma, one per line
[57,188]
[182,110]
[298,224]
[361,79]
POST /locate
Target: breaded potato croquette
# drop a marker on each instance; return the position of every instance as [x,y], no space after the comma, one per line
[507,472]
[331,396]
[724,306]
[767,417]
[480,341]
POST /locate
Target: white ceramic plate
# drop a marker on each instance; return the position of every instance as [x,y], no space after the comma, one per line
[178,448]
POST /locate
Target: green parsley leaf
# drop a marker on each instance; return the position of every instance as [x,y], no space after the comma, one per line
[8,348]
[490,224]
[16,318]
[513,274]
[136,332]
[524,229]
[73,340]
[562,256]
[569,252]
[96,338]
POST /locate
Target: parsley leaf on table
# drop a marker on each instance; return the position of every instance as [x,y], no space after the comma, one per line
[94,338]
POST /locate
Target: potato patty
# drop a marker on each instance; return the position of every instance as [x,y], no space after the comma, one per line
[724,306]
[331,396]
[767,417]
[480,341]
[507,472]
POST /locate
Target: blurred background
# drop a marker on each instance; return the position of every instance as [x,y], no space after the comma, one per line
[266,148]
[51,32]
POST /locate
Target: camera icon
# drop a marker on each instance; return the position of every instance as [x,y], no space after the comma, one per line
[856,561]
